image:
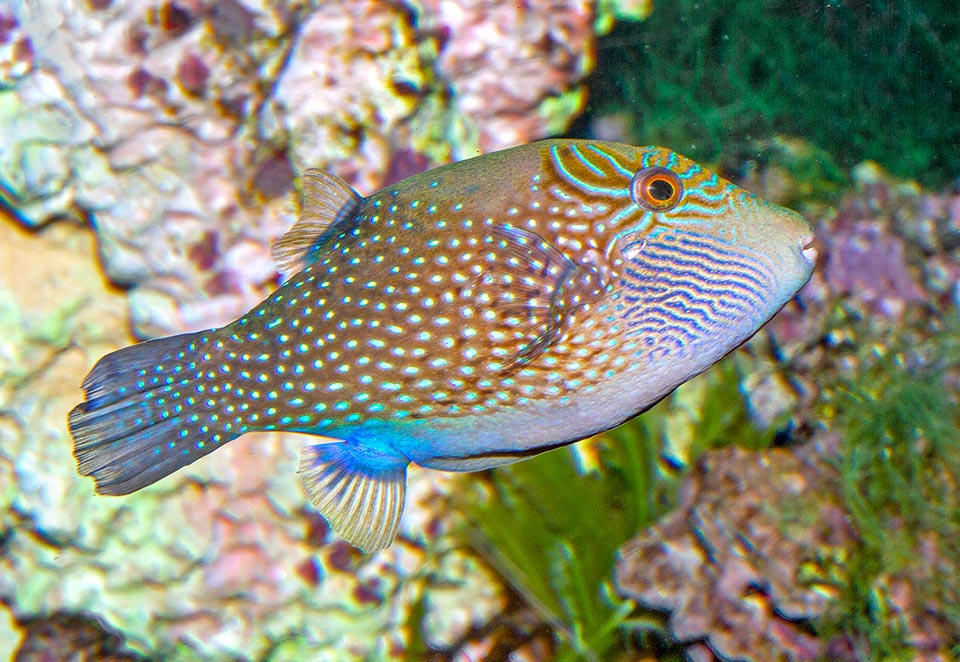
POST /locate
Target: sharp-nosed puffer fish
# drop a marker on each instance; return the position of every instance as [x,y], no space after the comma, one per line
[467,317]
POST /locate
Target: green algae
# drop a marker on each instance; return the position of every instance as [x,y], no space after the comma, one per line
[556,111]
[870,80]
[899,464]
[608,12]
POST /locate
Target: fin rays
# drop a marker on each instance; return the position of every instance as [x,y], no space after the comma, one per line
[327,200]
[123,437]
[537,283]
[359,491]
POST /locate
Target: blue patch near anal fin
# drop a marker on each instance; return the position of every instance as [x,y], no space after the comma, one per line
[359,490]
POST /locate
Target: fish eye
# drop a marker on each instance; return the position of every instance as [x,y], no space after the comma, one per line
[656,189]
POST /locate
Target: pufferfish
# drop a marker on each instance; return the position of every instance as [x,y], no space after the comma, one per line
[464,318]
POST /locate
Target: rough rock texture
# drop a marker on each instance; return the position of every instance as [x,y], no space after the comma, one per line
[740,561]
[135,119]
[889,248]
[504,60]
[755,552]
[177,127]
[888,262]
[351,80]
[63,636]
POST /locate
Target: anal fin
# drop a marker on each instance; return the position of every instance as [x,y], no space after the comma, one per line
[359,490]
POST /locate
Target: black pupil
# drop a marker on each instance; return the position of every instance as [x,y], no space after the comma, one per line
[661,189]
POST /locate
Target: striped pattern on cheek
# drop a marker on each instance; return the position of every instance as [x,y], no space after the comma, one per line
[683,290]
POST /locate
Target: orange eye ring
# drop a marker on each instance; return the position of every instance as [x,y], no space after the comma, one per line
[656,189]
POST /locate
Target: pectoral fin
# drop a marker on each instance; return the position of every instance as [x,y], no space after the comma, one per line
[534,282]
[359,491]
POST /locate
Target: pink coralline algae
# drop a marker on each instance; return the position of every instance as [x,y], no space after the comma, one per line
[353,78]
[503,59]
[866,262]
[916,234]
[867,257]
[16,49]
[156,152]
[888,248]
[888,259]
[729,562]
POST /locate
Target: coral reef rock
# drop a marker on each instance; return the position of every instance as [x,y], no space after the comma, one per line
[514,68]
[727,562]
[754,554]
[178,128]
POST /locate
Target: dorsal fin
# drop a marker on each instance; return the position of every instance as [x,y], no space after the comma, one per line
[327,200]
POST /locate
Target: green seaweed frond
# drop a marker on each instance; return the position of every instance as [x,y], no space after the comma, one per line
[552,531]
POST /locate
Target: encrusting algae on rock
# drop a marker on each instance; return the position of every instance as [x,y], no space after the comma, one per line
[461,319]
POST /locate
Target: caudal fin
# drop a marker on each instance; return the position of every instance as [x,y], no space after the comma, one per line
[144,416]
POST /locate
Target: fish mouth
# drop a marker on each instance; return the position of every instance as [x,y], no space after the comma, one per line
[808,250]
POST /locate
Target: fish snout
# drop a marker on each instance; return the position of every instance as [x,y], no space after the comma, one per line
[795,247]
[799,237]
